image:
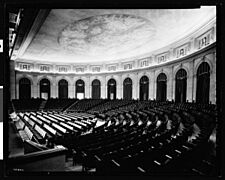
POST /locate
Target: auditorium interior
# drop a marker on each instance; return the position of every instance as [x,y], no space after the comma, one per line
[112,91]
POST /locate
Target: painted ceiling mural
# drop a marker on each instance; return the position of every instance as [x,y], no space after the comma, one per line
[96,35]
[102,35]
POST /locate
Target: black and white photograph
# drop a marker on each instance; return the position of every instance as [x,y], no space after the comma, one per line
[112,91]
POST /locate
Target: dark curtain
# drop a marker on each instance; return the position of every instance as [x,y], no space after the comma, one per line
[203,88]
[112,88]
[63,89]
[203,83]
[96,89]
[45,87]
[180,91]
[80,86]
[24,89]
[161,91]
[144,88]
[127,89]
[181,86]
[161,87]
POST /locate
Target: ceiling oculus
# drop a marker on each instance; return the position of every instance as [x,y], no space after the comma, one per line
[106,34]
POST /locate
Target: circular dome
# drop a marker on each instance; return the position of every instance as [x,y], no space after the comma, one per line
[102,36]
[106,34]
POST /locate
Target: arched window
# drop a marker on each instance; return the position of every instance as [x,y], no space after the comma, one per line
[203,82]
[24,88]
[181,86]
[127,89]
[161,87]
[45,89]
[80,89]
[112,89]
[144,88]
[96,89]
[63,89]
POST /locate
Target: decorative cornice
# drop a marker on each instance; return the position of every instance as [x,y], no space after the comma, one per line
[189,57]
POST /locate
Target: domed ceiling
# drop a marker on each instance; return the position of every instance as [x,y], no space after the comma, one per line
[96,35]
[106,34]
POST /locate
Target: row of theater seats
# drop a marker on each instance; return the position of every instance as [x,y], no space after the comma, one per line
[122,137]
[98,105]
[130,143]
[135,105]
[109,105]
[145,137]
[52,104]
[58,104]
[51,128]
[71,105]
[85,104]
[27,104]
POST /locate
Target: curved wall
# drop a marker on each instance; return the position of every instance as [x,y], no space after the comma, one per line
[197,48]
[190,64]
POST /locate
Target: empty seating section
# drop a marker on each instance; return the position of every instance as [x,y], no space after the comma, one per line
[109,105]
[131,136]
[26,104]
[58,104]
[85,104]
[41,131]
[36,104]
[50,129]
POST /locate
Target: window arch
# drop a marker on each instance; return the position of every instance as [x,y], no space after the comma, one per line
[181,86]
[203,83]
[111,88]
[161,87]
[96,89]
[127,88]
[45,88]
[80,89]
[24,88]
[63,89]
[144,88]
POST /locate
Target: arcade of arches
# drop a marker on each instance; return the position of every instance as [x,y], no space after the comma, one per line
[185,81]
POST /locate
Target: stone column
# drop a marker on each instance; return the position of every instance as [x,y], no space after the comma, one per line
[122,88]
[38,88]
[154,86]
[190,82]
[35,87]
[119,87]
[134,86]
[173,82]
[90,88]
[212,87]
[71,93]
[87,88]
[137,87]
[151,86]
[170,87]
[103,88]
[54,88]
